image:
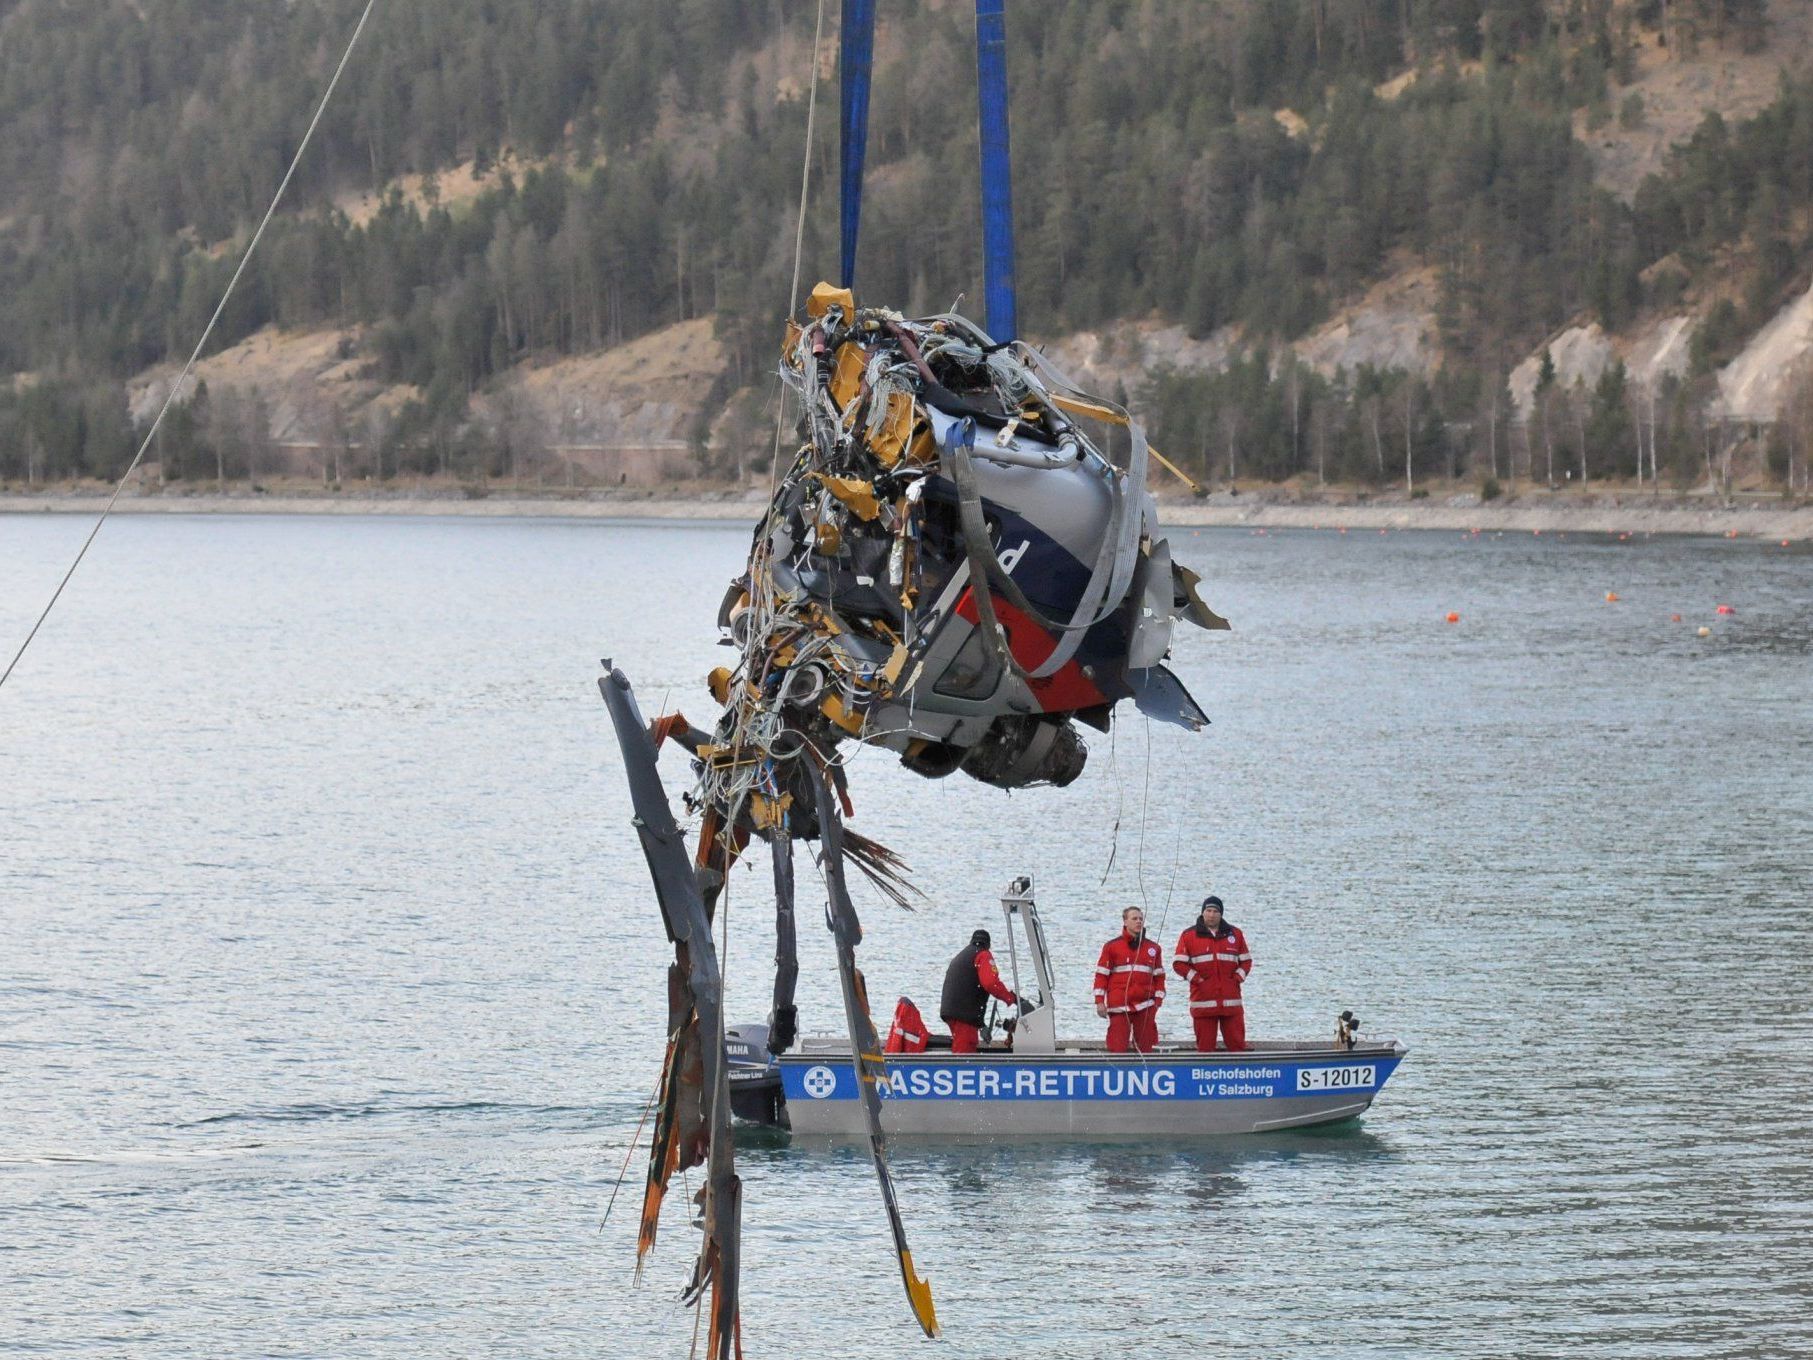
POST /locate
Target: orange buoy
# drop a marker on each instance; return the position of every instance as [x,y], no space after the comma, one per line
[1674,618]
[1784,543]
[1453,617]
[1611,597]
[1725,609]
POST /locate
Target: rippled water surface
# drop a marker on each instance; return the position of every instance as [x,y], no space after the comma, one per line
[330,979]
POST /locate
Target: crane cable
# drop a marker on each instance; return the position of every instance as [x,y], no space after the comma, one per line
[207,331]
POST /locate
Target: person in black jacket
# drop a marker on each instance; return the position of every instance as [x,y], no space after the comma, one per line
[969,981]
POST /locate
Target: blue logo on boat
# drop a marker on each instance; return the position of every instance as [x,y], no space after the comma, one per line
[942,1079]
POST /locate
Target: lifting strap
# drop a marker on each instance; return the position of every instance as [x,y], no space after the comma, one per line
[855,67]
[997,186]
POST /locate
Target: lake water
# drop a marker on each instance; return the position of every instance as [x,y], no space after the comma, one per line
[330,980]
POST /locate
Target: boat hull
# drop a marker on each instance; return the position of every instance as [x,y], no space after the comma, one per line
[1078,1093]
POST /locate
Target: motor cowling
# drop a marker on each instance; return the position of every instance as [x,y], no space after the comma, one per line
[755,1076]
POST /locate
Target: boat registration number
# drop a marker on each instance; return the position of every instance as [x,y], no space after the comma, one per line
[1352,1076]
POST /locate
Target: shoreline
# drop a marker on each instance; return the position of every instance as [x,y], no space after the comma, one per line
[1647,513]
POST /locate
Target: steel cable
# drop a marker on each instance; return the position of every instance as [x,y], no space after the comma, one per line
[207,331]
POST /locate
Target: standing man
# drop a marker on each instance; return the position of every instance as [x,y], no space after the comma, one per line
[1130,986]
[969,981]
[1213,956]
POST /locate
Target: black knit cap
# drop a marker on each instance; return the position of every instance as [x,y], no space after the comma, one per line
[979,939]
[1211,901]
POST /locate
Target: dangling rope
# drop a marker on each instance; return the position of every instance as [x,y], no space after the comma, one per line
[799,239]
[207,331]
[805,172]
[635,1138]
[1145,804]
[1114,834]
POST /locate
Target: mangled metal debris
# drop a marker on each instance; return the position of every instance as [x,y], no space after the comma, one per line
[934,460]
[952,567]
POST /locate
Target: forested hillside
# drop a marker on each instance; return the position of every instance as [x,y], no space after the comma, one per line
[1241,170]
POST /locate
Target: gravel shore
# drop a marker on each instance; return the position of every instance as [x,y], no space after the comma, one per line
[1770,518]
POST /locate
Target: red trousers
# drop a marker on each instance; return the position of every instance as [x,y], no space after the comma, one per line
[1233,1029]
[963,1037]
[1140,1028]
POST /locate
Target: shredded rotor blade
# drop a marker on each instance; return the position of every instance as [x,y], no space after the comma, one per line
[865,1048]
[695,985]
[783,1020]
[663,1152]
[882,867]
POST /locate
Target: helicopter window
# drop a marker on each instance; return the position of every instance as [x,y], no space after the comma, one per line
[973,673]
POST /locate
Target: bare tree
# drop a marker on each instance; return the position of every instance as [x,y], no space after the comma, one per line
[1293,388]
[1230,429]
[522,429]
[1409,431]
[1494,390]
[1318,425]
[1797,412]
[1578,399]
[375,426]
[324,423]
[1639,396]
[1545,388]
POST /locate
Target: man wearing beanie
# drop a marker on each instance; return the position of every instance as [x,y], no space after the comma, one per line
[968,983]
[1213,957]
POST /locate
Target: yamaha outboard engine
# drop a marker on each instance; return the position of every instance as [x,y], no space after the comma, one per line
[755,1077]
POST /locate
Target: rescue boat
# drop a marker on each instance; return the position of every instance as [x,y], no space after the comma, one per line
[1026,1082]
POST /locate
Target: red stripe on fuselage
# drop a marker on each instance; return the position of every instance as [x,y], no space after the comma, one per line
[1064,692]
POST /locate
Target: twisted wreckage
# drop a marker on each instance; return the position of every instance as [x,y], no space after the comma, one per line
[961,564]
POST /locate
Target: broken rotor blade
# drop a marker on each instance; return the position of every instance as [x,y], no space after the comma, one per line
[783,1020]
[694,984]
[865,1048]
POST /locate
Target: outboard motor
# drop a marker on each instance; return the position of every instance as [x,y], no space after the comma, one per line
[755,1077]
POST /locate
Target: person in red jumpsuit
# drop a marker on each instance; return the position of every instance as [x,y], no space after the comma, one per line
[1212,956]
[969,981]
[1130,986]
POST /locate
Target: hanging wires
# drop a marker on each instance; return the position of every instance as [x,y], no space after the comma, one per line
[1114,835]
[1145,803]
[207,331]
[635,1138]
